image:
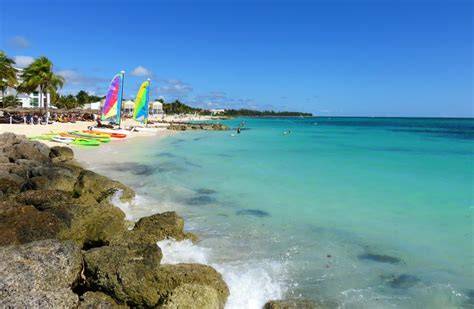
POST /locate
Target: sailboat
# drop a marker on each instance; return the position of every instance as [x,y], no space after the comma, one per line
[142,105]
[113,101]
[112,109]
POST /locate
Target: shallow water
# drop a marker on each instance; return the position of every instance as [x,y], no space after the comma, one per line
[364,212]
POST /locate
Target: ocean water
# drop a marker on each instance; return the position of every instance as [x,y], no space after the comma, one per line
[352,212]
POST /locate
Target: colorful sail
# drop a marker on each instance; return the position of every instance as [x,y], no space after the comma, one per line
[113,101]
[140,112]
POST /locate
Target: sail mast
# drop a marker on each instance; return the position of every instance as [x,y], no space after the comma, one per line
[120,99]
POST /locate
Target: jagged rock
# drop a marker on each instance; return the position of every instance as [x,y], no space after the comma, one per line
[197,126]
[43,199]
[21,224]
[169,278]
[10,183]
[125,272]
[193,296]
[291,304]
[39,275]
[54,178]
[132,275]
[157,227]
[61,154]
[93,224]
[100,187]
[27,150]
[98,300]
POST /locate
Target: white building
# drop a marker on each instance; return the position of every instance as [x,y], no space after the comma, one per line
[156,108]
[95,106]
[217,111]
[29,100]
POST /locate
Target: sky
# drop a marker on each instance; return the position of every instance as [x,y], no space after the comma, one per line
[340,58]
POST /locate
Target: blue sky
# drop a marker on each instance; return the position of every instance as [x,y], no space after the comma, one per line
[364,58]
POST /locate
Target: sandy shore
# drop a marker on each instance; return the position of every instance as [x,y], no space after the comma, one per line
[35,130]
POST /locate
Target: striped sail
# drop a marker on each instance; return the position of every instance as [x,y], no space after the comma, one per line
[140,112]
[113,101]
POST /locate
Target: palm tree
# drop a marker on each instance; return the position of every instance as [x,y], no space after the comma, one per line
[7,73]
[39,74]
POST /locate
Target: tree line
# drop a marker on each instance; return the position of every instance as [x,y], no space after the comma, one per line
[38,76]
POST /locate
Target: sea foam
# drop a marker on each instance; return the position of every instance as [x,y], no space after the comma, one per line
[251,283]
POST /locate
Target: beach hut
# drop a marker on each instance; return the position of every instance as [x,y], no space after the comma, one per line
[156,108]
[128,107]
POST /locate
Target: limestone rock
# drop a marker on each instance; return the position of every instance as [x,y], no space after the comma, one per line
[100,187]
[193,296]
[61,154]
[299,304]
[98,300]
[21,224]
[39,275]
[157,227]
[170,277]
[125,272]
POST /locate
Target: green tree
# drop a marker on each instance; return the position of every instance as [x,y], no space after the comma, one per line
[82,97]
[66,101]
[39,74]
[10,100]
[7,73]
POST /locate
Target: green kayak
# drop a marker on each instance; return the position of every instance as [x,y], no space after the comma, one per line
[85,142]
[90,136]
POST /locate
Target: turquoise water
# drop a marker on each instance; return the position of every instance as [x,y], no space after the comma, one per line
[312,213]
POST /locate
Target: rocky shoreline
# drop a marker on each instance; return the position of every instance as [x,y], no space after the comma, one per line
[184,126]
[64,245]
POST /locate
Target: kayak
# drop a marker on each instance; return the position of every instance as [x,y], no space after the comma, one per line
[61,139]
[108,134]
[95,133]
[85,142]
[88,136]
[117,132]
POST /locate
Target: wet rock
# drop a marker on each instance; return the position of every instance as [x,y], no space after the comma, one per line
[403,281]
[193,296]
[201,200]
[379,258]
[61,154]
[98,300]
[21,224]
[205,191]
[125,272]
[181,280]
[100,187]
[198,126]
[292,304]
[39,275]
[92,224]
[157,227]
[253,212]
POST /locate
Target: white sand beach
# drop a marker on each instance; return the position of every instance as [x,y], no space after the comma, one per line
[36,130]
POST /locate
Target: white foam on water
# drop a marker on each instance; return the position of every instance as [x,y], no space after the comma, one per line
[251,283]
[140,206]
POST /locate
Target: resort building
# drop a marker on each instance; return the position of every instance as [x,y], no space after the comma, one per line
[217,111]
[28,100]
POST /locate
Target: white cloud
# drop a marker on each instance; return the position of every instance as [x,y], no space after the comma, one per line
[75,81]
[19,42]
[174,88]
[141,71]
[23,61]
